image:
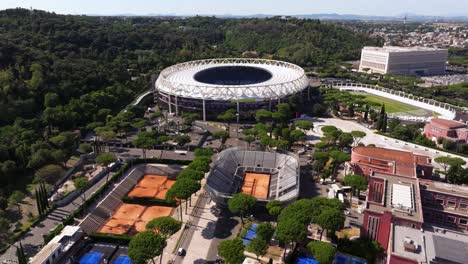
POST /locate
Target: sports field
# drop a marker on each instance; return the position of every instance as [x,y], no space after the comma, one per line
[132,218]
[152,186]
[256,184]
[391,106]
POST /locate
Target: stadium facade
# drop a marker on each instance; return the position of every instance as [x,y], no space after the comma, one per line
[407,61]
[214,85]
[264,175]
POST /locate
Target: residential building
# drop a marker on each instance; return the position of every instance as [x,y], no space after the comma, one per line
[60,247]
[447,129]
[403,60]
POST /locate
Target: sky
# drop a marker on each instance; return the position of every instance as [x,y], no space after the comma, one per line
[245,7]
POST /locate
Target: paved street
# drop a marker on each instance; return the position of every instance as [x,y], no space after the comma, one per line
[372,138]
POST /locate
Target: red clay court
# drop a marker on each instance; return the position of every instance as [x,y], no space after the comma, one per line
[132,218]
[152,186]
[256,184]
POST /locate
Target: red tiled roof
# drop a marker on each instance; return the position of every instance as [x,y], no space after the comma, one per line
[404,161]
[447,124]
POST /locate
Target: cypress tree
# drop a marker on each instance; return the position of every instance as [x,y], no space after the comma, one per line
[384,123]
[20,255]
[366,113]
[44,196]
[39,202]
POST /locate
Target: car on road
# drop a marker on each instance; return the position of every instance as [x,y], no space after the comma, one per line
[181,252]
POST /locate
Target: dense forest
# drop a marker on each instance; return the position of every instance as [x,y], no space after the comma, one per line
[59,73]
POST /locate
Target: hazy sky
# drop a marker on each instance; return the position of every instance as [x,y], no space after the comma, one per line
[245,7]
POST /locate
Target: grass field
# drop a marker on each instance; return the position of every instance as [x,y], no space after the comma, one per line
[391,106]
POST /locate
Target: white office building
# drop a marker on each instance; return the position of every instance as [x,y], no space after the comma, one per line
[403,60]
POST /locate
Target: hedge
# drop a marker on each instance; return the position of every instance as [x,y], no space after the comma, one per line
[148,201]
[111,238]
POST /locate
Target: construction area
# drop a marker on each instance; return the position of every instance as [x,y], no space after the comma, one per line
[152,186]
[256,185]
[132,218]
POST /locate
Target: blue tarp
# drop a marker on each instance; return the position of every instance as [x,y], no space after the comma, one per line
[123,260]
[91,258]
[304,260]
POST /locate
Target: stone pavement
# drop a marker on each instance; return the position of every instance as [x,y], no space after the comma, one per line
[33,240]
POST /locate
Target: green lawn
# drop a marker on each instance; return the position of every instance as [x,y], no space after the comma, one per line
[391,106]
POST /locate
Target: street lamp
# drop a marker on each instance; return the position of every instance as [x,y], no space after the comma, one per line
[237,129]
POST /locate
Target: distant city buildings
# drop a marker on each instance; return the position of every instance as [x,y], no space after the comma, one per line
[403,60]
[447,129]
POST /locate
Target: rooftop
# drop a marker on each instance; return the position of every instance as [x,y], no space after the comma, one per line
[401,49]
[447,124]
[414,237]
[63,239]
[446,188]
[403,162]
[401,197]
[449,246]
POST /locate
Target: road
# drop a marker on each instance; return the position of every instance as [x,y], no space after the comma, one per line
[373,138]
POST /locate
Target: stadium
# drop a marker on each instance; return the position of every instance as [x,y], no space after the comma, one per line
[264,175]
[215,85]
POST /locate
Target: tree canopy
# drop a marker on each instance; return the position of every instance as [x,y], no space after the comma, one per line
[166,225]
[144,246]
[241,203]
[232,250]
[323,252]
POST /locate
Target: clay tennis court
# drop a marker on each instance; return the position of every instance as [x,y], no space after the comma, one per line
[152,186]
[256,184]
[132,218]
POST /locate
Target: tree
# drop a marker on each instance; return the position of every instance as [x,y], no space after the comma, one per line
[3,203]
[357,136]
[258,246]
[105,134]
[166,226]
[183,190]
[182,139]
[240,204]
[105,159]
[189,118]
[203,152]
[21,257]
[263,116]
[330,219]
[85,148]
[291,231]
[283,113]
[273,207]
[357,182]
[145,141]
[81,184]
[228,116]
[221,134]
[191,174]
[265,231]
[16,198]
[145,246]
[200,164]
[345,140]
[457,175]
[49,173]
[449,161]
[232,251]
[5,233]
[304,124]
[323,252]
[249,139]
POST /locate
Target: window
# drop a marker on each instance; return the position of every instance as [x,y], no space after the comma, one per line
[463,206]
[463,221]
[440,201]
[451,219]
[451,204]
[373,227]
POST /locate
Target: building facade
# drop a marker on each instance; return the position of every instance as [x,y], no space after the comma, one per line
[403,60]
[447,129]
